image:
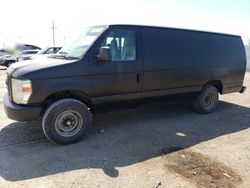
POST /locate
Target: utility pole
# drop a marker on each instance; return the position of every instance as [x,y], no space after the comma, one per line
[53,32]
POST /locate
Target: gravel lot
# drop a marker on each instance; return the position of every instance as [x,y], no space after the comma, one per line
[164,146]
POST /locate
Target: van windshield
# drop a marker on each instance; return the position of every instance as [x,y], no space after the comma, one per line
[79,47]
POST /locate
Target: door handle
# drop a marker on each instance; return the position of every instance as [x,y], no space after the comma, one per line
[138,78]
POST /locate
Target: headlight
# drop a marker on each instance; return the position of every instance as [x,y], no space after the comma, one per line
[21,90]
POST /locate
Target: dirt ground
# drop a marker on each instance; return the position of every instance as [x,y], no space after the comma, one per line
[164,146]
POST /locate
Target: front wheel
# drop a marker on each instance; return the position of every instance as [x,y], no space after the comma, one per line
[207,100]
[66,121]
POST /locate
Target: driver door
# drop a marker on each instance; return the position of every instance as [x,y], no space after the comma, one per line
[120,78]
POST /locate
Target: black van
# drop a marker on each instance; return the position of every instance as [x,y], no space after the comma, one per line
[122,63]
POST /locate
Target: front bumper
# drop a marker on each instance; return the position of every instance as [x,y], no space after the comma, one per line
[21,112]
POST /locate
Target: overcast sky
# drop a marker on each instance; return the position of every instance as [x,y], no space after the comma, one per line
[28,21]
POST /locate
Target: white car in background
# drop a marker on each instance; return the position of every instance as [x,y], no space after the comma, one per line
[49,50]
[26,55]
[42,53]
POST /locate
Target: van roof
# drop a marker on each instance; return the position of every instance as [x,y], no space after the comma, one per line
[163,27]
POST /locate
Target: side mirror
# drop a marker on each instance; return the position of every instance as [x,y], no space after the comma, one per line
[104,54]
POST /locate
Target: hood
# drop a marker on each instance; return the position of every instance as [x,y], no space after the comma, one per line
[40,68]
[35,56]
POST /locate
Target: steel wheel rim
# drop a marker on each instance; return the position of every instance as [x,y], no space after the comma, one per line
[68,123]
[209,99]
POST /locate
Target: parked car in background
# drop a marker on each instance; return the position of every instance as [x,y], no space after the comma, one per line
[41,53]
[30,52]
[21,52]
[30,47]
[7,60]
[26,55]
[3,53]
[49,50]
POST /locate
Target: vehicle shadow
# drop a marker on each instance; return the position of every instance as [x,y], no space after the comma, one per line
[127,137]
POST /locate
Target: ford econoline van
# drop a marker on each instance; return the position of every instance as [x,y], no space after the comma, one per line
[118,64]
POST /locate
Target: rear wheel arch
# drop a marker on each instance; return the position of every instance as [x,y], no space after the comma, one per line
[216,83]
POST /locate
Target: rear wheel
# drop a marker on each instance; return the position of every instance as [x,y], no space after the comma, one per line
[66,121]
[207,100]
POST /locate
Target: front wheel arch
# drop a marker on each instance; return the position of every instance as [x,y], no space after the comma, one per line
[73,94]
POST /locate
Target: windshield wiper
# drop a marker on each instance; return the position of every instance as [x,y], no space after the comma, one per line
[71,57]
[64,56]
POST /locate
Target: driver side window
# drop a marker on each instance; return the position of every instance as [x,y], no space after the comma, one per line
[122,45]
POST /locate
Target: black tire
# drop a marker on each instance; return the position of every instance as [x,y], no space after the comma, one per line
[207,100]
[66,121]
[8,63]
